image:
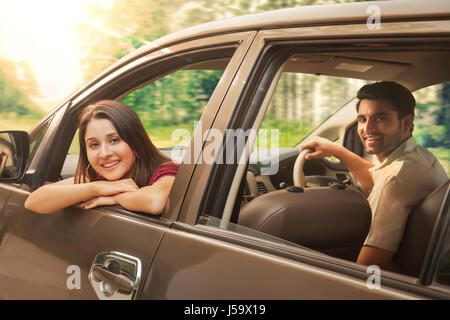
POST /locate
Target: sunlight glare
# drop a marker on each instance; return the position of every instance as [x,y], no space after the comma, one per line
[43,34]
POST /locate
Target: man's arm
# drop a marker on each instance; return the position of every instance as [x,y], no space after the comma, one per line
[358,166]
[374,256]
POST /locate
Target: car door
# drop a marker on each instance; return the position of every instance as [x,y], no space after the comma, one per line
[206,254]
[105,252]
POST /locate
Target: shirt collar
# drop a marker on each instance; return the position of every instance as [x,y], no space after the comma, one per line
[407,145]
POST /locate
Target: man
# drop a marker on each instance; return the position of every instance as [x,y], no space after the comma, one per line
[404,175]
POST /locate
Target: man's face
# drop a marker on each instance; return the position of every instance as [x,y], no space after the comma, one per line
[379,127]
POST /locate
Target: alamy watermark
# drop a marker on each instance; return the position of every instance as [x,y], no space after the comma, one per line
[374,20]
[74,280]
[374,280]
[234,146]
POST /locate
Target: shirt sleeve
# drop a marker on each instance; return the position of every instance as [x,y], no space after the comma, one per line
[392,209]
[163,171]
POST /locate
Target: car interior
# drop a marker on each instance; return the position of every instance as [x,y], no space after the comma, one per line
[329,214]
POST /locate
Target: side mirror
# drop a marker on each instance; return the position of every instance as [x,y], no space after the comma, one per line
[14,150]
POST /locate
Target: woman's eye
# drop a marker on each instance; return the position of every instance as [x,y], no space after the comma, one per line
[93,145]
[115,140]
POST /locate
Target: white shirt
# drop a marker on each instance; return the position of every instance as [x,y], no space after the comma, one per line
[401,182]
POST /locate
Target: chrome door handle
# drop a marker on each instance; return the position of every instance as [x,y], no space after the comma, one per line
[115,275]
[118,281]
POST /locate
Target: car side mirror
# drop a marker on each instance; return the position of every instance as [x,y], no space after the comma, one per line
[14,150]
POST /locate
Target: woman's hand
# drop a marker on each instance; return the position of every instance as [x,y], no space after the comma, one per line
[108,191]
[99,201]
[109,188]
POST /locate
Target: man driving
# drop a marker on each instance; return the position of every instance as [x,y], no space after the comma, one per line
[404,173]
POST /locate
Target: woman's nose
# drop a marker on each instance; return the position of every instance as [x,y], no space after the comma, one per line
[105,151]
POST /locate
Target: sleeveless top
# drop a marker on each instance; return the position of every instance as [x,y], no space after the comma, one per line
[166,169]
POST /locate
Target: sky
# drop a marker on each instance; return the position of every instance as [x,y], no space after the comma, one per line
[42,33]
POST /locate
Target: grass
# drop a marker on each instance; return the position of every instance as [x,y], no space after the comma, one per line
[17,124]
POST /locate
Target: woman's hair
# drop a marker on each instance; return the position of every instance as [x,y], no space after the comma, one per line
[129,127]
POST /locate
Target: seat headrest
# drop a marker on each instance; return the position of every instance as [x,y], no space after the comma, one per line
[329,220]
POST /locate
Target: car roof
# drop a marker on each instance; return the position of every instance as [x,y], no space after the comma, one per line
[407,10]
[308,15]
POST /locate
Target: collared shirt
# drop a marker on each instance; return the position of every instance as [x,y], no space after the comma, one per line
[401,182]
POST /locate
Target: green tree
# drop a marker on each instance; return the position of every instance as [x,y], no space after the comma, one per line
[110,33]
[17,88]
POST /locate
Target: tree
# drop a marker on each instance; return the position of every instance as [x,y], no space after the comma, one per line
[17,88]
[110,33]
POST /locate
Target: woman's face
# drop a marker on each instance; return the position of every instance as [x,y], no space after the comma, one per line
[109,155]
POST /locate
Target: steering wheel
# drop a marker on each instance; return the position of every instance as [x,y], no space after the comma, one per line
[298,174]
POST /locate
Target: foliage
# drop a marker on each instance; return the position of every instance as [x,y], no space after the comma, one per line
[178,98]
[110,33]
[436,113]
[17,86]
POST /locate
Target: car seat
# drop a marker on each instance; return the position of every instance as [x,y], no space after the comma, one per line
[418,231]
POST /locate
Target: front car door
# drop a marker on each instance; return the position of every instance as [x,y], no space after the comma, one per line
[207,254]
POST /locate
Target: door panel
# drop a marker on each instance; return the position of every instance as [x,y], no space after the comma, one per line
[190,266]
[37,250]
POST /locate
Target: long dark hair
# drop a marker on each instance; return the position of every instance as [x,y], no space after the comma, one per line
[129,127]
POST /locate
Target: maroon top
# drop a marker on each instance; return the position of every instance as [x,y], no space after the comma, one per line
[166,169]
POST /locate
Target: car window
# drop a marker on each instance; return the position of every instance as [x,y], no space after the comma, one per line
[169,109]
[175,102]
[36,136]
[431,123]
[301,102]
[295,105]
[258,194]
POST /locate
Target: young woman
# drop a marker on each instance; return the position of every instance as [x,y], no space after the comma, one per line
[3,158]
[118,164]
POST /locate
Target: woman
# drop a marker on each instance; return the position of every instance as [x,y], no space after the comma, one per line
[3,158]
[118,164]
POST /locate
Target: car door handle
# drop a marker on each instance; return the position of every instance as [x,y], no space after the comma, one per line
[118,281]
[115,275]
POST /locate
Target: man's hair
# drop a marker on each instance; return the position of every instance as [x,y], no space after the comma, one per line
[401,98]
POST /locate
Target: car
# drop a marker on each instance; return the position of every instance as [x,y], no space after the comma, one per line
[239,223]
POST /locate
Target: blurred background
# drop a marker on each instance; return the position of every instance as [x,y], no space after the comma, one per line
[49,48]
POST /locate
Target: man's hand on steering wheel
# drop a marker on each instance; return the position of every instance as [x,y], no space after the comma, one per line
[317,148]
[321,148]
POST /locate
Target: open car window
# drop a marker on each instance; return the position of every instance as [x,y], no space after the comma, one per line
[169,109]
[300,103]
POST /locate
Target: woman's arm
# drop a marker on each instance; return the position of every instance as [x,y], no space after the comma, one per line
[3,159]
[55,196]
[149,199]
